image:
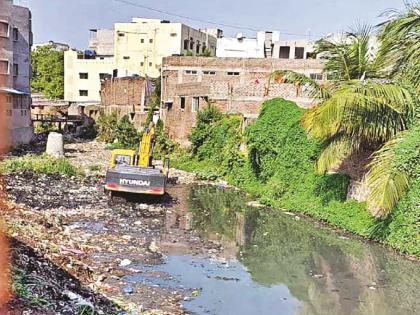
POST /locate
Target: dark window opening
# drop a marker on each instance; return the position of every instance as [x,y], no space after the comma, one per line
[126,57]
[15,69]
[84,75]
[191,72]
[317,76]
[197,48]
[186,43]
[206,72]
[235,73]
[182,103]
[142,40]
[299,52]
[191,43]
[151,41]
[83,93]
[284,52]
[15,34]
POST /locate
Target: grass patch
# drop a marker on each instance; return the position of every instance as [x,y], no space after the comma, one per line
[23,285]
[43,164]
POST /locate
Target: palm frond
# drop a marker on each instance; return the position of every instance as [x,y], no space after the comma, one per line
[315,90]
[334,153]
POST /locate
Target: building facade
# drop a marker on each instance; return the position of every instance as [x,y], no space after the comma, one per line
[135,48]
[15,70]
[125,96]
[265,45]
[234,85]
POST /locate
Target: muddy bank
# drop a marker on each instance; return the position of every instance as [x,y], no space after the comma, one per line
[71,222]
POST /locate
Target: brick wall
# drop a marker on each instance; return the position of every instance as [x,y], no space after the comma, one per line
[235,85]
[124,96]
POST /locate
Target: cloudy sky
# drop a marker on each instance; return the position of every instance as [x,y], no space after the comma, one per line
[69,20]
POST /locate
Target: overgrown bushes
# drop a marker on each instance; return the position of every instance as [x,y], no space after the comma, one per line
[39,164]
[279,169]
[119,133]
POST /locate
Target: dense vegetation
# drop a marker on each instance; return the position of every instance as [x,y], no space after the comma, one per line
[371,103]
[48,72]
[279,169]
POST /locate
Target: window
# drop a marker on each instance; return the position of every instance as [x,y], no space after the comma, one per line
[284,52]
[195,104]
[15,69]
[191,72]
[174,34]
[317,76]
[299,52]
[182,103]
[4,67]
[151,41]
[150,64]
[207,72]
[204,48]
[142,64]
[9,99]
[23,112]
[142,40]
[83,75]
[9,112]
[186,43]
[197,48]
[121,34]
[15,34]
[235,73]
[126,57]
[104,76]
[83,93]
[17,101]
[191,43]
[4,29]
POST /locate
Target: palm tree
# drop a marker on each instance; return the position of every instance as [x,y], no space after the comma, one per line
[370,102]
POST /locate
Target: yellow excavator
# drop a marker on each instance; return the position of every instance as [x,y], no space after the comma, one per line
[133,171]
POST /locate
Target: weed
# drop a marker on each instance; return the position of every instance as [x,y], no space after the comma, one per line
[39,164]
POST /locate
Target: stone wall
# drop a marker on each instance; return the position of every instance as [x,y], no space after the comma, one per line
[235,85]
[125,96]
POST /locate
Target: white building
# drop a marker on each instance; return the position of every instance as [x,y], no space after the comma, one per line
[135,48]
[265,45]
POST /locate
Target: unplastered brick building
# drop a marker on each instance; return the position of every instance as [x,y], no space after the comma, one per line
[234,85]
[126,96]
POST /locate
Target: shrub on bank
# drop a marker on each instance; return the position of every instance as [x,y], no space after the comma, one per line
[279,169]
[39,164]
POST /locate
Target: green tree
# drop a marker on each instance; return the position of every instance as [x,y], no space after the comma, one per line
[372,102]
[48,72]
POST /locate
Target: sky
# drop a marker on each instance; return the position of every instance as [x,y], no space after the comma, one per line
[69,21]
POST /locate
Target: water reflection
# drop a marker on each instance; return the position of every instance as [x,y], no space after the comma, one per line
[326,273]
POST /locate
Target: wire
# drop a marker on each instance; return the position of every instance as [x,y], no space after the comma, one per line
[239,27]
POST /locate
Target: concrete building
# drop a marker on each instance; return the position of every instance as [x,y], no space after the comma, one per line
[15,70]
[234,85]
[141,44]
[265,45]
[135,48]
[83,75]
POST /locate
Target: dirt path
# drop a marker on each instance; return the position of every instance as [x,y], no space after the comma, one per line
[71,223]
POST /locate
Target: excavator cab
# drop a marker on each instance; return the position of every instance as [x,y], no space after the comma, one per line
[133,171]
